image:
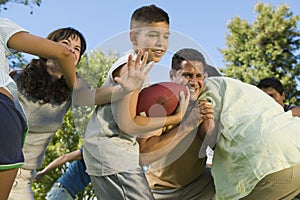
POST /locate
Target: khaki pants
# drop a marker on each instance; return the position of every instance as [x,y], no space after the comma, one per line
[21,189]
[200,189]
[284,185]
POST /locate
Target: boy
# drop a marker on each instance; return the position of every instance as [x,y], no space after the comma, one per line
[112,158]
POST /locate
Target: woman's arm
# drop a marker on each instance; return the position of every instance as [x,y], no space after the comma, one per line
[130,80]
[31,44]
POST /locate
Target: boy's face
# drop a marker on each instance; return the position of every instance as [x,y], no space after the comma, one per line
[153,38]
[275,95]
[192,75]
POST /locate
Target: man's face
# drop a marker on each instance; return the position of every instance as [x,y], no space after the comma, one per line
[275,95]
[192,75]
[154,38]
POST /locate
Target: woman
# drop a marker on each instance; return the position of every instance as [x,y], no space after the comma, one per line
[46,98]
[13,120]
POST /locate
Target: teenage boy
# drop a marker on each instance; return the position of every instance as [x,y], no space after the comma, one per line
[112,157]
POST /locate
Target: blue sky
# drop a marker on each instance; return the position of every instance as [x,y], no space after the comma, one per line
[202,21]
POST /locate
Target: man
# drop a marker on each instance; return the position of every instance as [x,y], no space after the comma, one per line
[256,144]
[274,88]
[175,170]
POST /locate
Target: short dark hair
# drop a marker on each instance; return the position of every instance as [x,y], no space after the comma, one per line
[147,15]
[271,82]
[187,54]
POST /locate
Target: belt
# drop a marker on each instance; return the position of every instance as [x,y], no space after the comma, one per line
[58,184]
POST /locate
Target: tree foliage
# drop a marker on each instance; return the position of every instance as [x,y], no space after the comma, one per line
[17,60]
[25,2]
[267,47]
[70,137]
[31,3]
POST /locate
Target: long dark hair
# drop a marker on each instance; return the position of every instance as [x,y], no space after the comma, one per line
[35,81]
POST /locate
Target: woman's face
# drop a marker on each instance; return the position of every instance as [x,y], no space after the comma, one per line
[74,44]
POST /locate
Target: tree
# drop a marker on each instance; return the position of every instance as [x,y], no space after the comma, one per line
[70,136]
[267,47]
[30,3]
[17,60]
[25,2]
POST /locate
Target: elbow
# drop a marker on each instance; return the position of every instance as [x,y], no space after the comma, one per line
[62,53]
[129,130]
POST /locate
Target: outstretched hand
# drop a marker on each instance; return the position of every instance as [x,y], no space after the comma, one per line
[137,72]
[38,176]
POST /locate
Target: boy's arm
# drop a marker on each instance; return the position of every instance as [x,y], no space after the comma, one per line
[157,146]
[74,155]
[133,124]
[125,109]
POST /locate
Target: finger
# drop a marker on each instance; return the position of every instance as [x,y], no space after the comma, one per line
[148,68]
[210,116]
[118,80]
[130,64]
[138,59]
[145,59]
[188,94]
[202,102]
[207,116]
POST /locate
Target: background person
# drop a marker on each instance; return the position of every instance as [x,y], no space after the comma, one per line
[72,181]
[274,88]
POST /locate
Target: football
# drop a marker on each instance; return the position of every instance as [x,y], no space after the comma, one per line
[160,99]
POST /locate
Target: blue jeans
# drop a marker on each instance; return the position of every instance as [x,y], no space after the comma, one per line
[58,193]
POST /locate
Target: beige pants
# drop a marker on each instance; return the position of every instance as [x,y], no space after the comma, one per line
[283,185]
[200,189]
[21,189]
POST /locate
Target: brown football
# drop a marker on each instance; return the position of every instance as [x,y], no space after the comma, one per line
[160,99]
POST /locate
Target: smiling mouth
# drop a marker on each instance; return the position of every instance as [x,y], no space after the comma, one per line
[158,51]
[191,88]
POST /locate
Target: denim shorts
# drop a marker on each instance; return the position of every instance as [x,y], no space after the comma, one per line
[58,192]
